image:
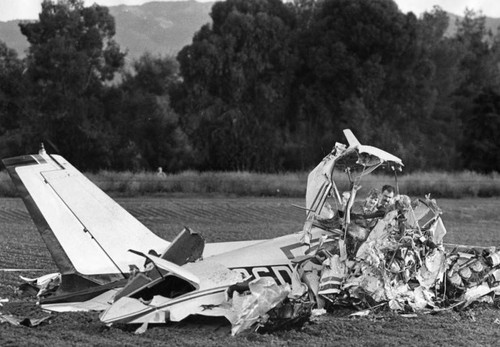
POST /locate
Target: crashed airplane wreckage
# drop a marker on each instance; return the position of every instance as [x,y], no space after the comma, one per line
[345,255]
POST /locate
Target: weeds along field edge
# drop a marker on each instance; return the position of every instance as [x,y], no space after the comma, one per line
[292,184]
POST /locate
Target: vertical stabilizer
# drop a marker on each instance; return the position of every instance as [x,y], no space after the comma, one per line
[85,231]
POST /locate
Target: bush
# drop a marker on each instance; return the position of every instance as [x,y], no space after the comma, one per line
[438,184]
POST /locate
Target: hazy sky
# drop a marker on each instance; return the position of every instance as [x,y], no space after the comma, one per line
[29,9]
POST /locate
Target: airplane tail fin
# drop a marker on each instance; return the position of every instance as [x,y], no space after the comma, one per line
[86,232]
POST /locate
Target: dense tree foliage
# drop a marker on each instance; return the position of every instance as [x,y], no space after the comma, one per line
[237,75]
[12,92]
[71,55]
[398,80]
[149,130]
[356,57]
[266,86]
[481,129]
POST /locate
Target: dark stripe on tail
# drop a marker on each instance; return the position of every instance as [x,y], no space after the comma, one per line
[58,254]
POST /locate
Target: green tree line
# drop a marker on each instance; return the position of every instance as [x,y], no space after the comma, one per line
[267,86]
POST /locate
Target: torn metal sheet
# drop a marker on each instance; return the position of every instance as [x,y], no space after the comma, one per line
[98,303]
[187,247]
[44,284]
[264,295]
[432,269]
[27,322]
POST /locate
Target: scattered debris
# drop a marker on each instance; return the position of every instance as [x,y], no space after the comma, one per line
[40,286]
[409,315]
[318,312]
[395,260]
[403,265]
[362,313]
[27,322]
[142,329]
[251,308]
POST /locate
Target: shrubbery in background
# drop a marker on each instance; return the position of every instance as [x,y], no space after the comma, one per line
[417,184]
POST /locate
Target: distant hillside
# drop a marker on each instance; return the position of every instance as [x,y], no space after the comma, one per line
[491,24]
[11,35]
[157,27]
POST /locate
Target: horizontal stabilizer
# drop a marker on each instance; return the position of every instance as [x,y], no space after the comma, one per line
[187,247]
[171,267]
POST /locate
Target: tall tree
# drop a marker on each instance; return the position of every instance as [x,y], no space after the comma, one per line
[236,76]
[72,54]
[440,123]
[481,149]
[355,55]
[148,129]
[12,108]
[479,63]
[480,83]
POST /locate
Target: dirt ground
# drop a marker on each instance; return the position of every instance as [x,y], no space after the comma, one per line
[469,221]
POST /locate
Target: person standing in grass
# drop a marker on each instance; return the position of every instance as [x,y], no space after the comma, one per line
[160,172]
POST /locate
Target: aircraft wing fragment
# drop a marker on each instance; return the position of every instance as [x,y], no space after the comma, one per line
[187,247]
[171,267]
[372,152]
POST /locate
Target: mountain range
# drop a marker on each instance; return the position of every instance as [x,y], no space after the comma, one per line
[159,27]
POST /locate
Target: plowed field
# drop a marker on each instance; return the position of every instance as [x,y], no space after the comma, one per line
[471,221]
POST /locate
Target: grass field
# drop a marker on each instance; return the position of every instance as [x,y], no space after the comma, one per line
[469,221]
